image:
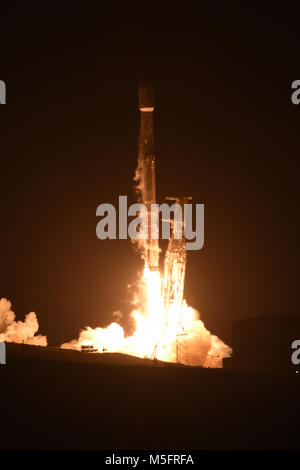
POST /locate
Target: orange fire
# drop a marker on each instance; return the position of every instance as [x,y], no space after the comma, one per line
[156,336]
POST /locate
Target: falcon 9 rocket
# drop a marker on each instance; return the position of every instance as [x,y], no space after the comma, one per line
[146,169]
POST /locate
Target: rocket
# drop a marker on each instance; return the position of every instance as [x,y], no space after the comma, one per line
[146,168]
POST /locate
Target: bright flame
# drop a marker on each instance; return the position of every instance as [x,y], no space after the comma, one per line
[154,319]
[153,335]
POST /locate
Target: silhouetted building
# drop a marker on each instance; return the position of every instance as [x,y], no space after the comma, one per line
[263,343]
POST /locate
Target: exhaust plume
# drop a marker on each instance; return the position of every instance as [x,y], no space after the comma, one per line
[17,331]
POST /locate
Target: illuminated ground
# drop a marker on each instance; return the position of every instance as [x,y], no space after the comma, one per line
[18,351]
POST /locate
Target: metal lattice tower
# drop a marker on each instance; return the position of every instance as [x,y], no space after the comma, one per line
[174,275]
[182,356]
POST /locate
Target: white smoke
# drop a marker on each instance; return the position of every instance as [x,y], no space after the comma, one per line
[17,331]
[117,315]
[110,338]
[203,347]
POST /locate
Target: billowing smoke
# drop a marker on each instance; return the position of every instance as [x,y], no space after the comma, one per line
[140,244]
[202,348]
[14,331]
[110,338]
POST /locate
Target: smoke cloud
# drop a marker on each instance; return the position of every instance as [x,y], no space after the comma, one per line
[203,348]
[14,331]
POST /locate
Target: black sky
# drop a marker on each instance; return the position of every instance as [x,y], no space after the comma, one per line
[226,133]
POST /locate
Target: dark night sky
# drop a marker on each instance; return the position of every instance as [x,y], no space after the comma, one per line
[226,134]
